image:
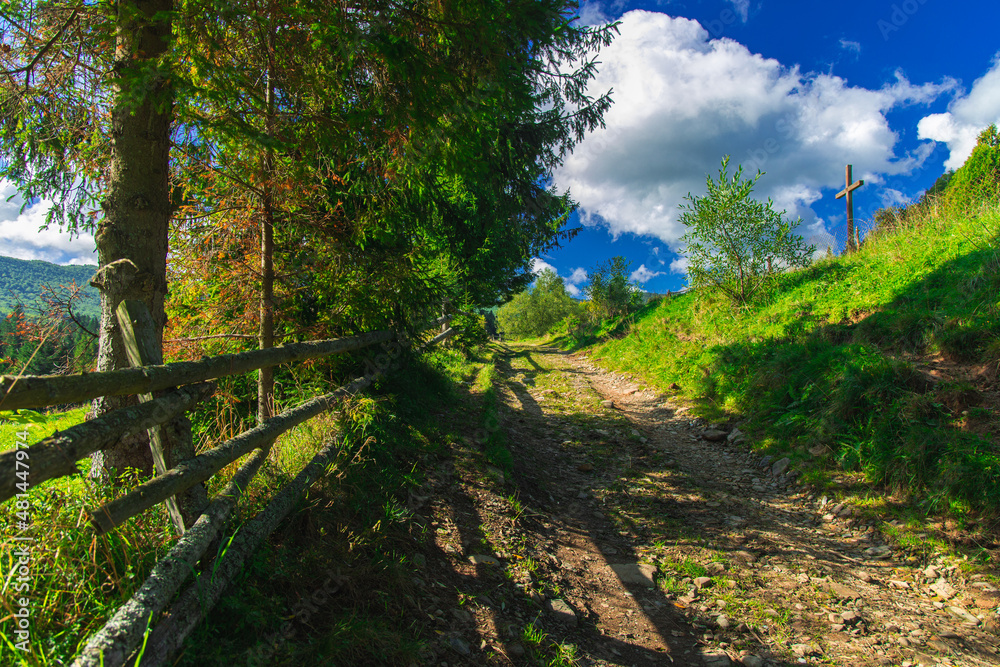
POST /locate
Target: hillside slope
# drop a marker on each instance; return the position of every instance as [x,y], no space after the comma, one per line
[883,363]
[21,281]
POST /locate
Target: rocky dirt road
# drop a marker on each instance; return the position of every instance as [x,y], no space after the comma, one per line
[632,534]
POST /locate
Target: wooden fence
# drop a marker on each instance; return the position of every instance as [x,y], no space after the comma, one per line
[182,385]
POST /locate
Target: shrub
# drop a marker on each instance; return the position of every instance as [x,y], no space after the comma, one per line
[610,291]
[736,244]
[536,310]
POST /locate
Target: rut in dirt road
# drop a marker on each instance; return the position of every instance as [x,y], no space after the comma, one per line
[666,541]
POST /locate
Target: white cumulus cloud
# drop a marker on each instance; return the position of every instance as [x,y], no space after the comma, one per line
[966,117]
[21,237]
[538,265]
[578,276]
[643,275]
[684,100]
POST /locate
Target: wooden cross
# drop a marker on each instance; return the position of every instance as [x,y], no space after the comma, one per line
[847,192]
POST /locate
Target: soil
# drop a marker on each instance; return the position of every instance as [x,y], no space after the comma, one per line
[630,533]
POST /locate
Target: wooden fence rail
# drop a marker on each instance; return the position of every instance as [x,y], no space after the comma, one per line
[200,468]
[185,384]
[42,391]
[56,455]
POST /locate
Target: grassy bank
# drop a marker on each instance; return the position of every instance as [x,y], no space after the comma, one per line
[883,362]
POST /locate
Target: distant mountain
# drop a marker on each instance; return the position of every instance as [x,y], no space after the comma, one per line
[22,281]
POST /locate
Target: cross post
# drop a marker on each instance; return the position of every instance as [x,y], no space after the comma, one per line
[848,192]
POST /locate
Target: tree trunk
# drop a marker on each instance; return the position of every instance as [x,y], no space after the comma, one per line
[132,237]
[265,379]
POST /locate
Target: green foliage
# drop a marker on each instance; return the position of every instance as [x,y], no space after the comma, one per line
[535,311]
[610,291]
[821,360]
[736,244]
[33,346]
[25,282]
[978,180]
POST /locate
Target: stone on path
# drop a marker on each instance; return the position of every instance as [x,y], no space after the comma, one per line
[944,589]
[458,645]
[964,615]
[713,435]
[702,582]
[843,592]
[715,568]
[717,659]
[562,612]
[635,573]
[751,660]
[780,466]
[585,467]
[803,650]
[608,404]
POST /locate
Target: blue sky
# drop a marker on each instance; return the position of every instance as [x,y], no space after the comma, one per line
[797,89]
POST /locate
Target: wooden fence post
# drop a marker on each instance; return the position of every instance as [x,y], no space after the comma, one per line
[138,331]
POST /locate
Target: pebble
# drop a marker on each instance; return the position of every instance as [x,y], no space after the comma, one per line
[964,615]
[458,645]
[751,660]
[607,404]
[722,621]
[803,650]
[715,568]
[717,659]
[850,617]
[943,589]
[780,466]
[842,592]
[702,582]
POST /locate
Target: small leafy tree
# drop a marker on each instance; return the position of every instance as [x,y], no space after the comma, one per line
[536,310]
[610,291]
[735,243]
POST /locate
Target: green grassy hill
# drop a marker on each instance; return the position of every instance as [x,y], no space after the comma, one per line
[882,363]
[22,281]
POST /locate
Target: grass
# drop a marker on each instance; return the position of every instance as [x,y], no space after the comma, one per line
[351,523]
[840,354]
[46,425]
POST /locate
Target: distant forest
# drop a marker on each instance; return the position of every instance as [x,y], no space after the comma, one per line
[37,336]
[23,282]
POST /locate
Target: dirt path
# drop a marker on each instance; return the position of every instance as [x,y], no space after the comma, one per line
[632,534]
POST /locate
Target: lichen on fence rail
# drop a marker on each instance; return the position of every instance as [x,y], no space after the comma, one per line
[41,391]
[202,467]
[56,455]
